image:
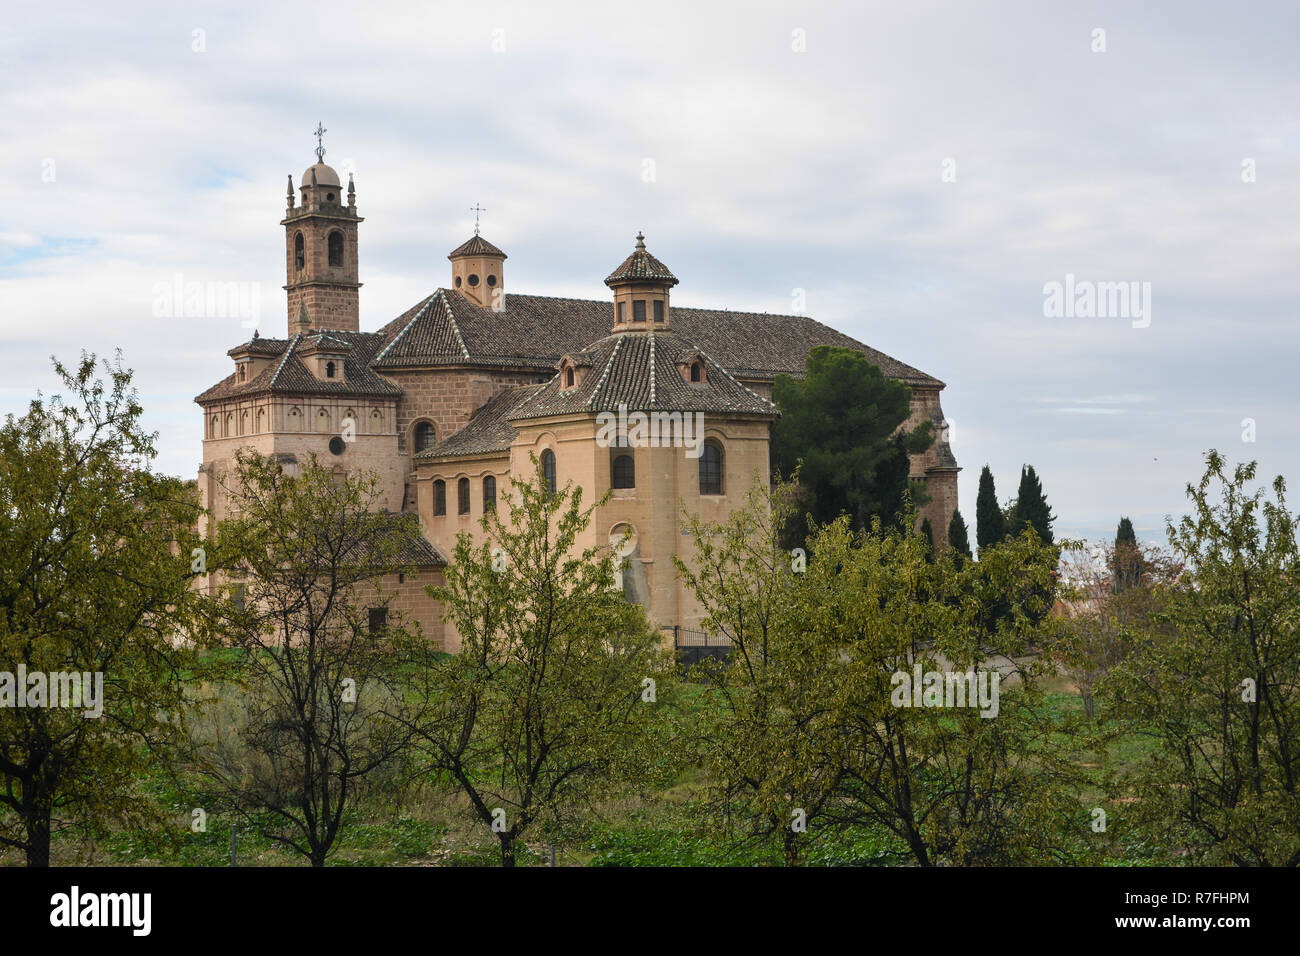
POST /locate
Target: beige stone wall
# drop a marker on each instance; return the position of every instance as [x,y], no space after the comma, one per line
[666,480]
[409,603]
[446,398]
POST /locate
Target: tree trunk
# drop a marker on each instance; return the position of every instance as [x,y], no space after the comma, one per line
[507,850]
[38,833]
[1089,705]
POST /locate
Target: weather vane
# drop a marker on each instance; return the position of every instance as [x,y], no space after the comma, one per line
[319,133]
[476,209]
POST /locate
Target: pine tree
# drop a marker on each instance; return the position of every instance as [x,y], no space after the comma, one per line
[1031,508]
[989,527]
[957,535]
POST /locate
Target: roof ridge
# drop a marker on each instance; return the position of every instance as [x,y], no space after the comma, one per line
[415,318]
[609,363]
[652,367]
[454,327]
[288,350]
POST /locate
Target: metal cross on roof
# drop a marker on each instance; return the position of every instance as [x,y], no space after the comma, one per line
[476,209]
[319,132]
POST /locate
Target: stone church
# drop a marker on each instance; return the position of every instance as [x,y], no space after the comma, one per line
[450,399]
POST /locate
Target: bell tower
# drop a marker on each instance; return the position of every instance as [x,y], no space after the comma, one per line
[320,239]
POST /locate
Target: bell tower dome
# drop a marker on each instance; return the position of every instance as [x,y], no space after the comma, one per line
[320,235]
[478,270]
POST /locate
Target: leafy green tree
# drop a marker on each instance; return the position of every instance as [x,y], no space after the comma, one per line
[1219,696]
[927,535]
[990,528]
[805,720]
[95,576]
[957,535]
[321,719]
[841,430]
[556,698]
[768,726]
[1031,509]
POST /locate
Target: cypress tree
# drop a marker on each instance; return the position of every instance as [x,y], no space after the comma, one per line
[957,536]
[1032,510]
[989,528]
[927,532]
[1126,559]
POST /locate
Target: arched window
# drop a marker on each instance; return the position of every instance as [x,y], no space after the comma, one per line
[336,248]
[568,378]
[548,471]
[711,468]
[695,371]
[462,496]
[299,257]
[425,436]
[489,494]
[439,497]
[329,369]
[623,471]
[261,419]
[215,427]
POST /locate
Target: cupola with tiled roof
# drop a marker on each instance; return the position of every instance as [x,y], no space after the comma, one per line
[640,285]
[478,270]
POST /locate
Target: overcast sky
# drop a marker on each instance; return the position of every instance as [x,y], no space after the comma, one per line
[920,170]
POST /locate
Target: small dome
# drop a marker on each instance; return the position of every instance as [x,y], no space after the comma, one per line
[325,176]
[640,266]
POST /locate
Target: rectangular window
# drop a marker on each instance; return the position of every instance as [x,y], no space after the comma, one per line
[439,497]
[638,310]
[378,621]
[659,310]
[622,311]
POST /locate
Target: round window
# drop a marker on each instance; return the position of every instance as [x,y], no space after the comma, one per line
[473,279]
[492,280]
[329,197]
[337,445]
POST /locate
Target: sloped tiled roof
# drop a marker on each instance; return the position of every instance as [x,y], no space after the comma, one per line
[288,375]
[639,370]
[411,546]
[476,245]
[488,430]
[640,266]
[534,331]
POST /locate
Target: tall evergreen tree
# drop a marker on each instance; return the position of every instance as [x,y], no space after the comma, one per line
[1126,558]
[842,426]
[989,527]
[957,535]
[1031,509]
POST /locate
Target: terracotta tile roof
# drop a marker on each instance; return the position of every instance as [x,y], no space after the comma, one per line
[640,370]
[534,331]
[640,266]
[488,430]
[289,375]
[412,548]
[476,246]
